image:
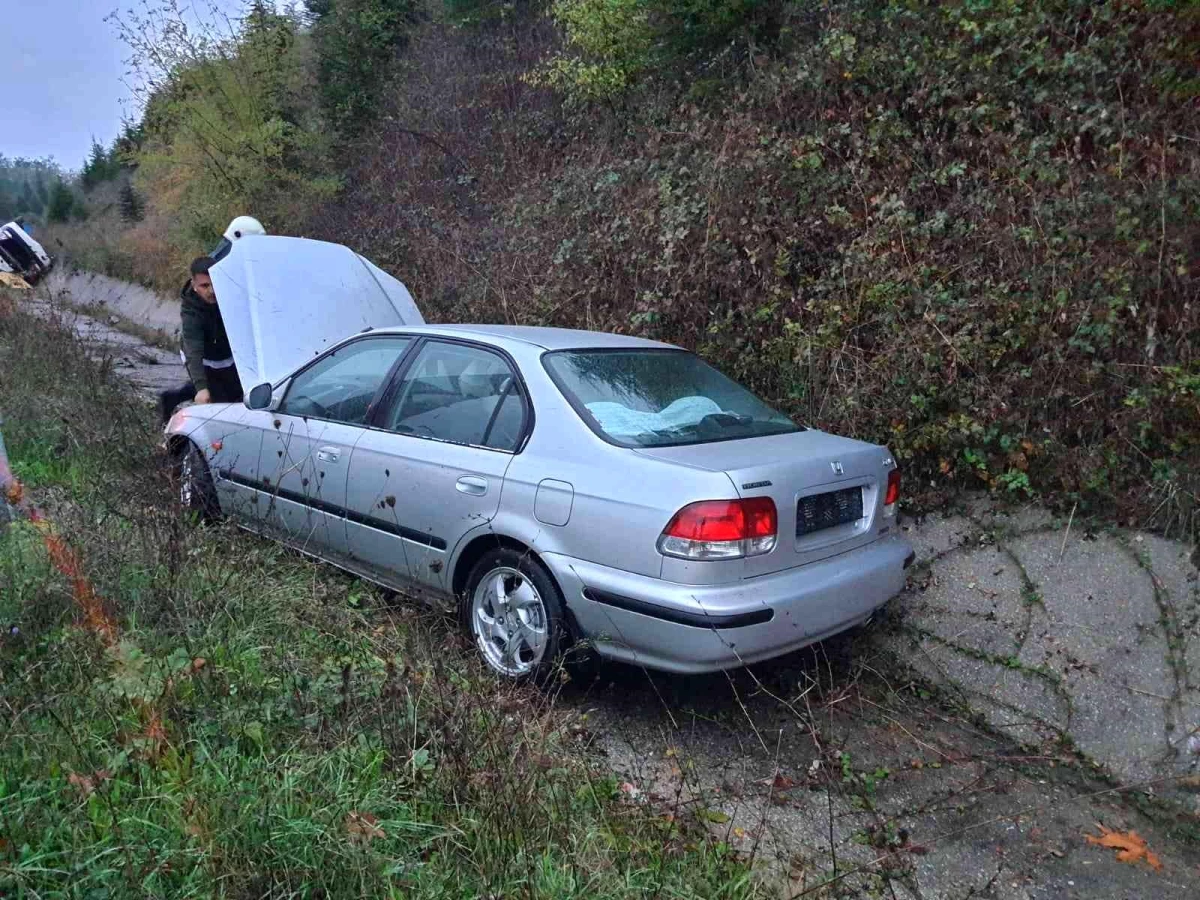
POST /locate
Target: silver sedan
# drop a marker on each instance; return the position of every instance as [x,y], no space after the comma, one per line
[560,487]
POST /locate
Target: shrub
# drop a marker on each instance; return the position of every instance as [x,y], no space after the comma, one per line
[963,229]
[612,44]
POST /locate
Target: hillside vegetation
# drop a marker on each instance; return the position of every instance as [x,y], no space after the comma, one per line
[966,228]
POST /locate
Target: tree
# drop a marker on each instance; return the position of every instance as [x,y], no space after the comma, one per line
[27,201]
[132,207]
[62,202]
[356,43]
[229,125]
[101,165]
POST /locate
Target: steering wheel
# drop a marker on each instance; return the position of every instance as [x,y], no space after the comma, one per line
[306,406]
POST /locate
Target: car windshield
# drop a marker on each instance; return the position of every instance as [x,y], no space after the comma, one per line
[660,398]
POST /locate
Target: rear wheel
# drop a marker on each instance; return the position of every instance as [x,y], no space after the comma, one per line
[513,612]
[197,493]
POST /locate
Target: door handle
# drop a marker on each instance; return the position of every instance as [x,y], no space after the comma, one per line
[329,454]
[473,485]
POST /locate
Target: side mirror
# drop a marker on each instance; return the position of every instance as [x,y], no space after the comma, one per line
[260,396]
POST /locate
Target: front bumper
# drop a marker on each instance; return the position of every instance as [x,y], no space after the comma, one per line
[706,628]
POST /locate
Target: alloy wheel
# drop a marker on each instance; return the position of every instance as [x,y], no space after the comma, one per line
[509,621]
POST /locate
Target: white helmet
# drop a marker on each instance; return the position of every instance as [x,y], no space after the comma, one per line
[242,226]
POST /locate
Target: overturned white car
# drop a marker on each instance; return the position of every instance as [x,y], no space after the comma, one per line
[21,255]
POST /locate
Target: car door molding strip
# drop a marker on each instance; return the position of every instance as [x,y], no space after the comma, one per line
[341,512]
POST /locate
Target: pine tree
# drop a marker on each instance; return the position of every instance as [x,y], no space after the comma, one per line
[62,203]
[92,166]
[132,208]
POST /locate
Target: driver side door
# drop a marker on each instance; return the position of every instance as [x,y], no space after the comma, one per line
[305,456]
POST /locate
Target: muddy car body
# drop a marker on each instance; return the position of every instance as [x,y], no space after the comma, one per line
[559,486]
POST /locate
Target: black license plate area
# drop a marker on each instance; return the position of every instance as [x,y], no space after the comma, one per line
[821,511]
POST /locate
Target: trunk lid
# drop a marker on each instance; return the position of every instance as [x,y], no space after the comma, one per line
[828,490]
[285,300]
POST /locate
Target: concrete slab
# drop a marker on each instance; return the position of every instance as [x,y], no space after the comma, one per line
[104,295]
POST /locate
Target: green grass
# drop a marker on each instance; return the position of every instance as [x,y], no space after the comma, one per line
[262,726]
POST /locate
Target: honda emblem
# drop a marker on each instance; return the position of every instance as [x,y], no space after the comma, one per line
[837,468]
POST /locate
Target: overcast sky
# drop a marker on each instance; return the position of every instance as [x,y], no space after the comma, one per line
[61,73]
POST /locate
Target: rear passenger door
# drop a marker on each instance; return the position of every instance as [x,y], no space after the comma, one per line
[431,467]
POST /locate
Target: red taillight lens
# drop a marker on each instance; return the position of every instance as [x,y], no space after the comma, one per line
[712,520]
[761,519]
[893,489]
[722,529]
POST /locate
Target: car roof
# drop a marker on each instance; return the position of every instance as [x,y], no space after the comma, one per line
[546,338]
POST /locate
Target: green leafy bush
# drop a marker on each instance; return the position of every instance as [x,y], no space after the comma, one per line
[612,44]
[964,229]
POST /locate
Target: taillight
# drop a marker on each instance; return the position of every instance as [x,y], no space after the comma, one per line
[722,529]
[892,497]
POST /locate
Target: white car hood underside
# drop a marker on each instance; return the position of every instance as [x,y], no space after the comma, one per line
[285,300]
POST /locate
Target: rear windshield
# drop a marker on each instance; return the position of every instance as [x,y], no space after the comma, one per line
[660,398]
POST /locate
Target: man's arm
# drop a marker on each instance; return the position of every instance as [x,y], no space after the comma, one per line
[191,334]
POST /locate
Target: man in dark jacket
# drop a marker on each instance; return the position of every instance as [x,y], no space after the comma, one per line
[205,347]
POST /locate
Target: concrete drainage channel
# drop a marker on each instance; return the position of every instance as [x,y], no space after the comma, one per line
[1038,676]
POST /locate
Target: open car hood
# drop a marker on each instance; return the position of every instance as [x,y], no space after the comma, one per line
[285,300]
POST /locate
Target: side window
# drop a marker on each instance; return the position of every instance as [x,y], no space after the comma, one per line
[506,427]
[460,394]
[340,387]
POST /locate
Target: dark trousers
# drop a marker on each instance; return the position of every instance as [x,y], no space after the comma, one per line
[224,386]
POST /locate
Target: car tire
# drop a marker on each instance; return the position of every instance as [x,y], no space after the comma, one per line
[194,484]
[513,613]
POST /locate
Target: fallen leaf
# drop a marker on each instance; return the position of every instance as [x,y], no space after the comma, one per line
[1129,846]
[87,783]
[781,782]
[363,827]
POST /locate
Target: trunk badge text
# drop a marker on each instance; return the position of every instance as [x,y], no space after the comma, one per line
[751,485]
[837,468]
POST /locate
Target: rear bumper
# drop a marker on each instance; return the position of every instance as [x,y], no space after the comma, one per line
[691,628]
